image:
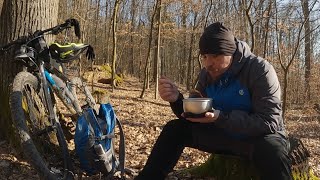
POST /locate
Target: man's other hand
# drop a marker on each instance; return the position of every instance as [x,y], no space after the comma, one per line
[209,117]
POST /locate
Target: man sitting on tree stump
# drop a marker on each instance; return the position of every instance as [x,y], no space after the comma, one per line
[247,118]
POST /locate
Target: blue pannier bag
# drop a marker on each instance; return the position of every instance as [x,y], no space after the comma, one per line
[94,142]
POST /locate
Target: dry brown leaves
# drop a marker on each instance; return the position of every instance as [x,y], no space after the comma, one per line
[143,120]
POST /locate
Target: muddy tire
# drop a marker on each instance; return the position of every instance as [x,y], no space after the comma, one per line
[31,118]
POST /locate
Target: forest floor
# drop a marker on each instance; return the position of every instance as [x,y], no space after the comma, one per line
[143,120]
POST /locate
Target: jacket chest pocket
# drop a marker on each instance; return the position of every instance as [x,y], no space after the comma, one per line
[231,97]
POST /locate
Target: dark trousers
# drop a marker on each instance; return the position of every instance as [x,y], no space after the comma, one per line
[269,153]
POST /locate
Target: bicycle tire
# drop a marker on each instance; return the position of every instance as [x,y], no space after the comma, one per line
[30,117]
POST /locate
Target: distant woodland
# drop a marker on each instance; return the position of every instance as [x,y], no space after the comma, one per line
[161,37]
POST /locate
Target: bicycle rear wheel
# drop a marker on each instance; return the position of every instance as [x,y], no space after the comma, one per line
[41,141]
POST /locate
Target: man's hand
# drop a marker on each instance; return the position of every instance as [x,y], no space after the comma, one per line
[209,117]
[167,90]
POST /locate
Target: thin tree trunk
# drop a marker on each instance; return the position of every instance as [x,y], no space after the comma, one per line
[140,57]
[80,12]
[106,36]
[182,61]
[267,28]
[108,41]
[133,16]
[147,65]
[96,28]
[158,61]
[189,77]
[190,69]
[247,11]
[114,45]
[307,47]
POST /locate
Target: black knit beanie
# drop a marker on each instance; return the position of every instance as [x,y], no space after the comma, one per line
[217,39]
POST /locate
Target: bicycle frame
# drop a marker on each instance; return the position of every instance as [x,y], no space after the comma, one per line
[66,91]
[54,119]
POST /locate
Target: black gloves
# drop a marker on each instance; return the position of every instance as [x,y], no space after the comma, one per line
[90,53]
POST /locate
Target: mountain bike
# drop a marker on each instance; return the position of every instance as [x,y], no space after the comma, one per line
[33,100]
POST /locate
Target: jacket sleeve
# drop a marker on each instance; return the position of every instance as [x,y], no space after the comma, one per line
[266,114]
[177,106]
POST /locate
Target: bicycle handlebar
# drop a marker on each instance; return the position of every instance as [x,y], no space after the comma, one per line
[68,23]
[53,30]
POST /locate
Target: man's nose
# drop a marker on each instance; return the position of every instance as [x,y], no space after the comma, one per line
[208,63]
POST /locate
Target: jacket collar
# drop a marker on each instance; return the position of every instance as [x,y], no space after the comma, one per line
[240,56]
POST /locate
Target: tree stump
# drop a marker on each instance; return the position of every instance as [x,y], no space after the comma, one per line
[227,167]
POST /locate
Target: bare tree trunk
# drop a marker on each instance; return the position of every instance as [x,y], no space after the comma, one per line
[1,4]
[140,54]
[108,40]
[106,36]
[182,60]
[243,22]
[247,11]
[158,60]
[189,77]
[97,23]
[19,17]
[307,47]
[63,11]
[147,65]
[267,28]
[190,66]
[80,12]
[133,16]
[114,52]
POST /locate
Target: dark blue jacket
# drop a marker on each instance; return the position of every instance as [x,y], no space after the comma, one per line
[247,94]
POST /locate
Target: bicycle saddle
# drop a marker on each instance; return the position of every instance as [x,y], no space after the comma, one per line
[70,51]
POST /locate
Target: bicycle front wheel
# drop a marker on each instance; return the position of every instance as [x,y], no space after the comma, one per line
[41,141]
